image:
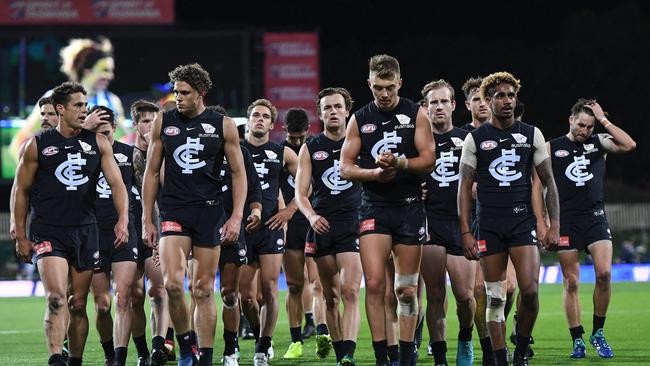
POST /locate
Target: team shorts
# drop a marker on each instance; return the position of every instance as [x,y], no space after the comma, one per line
[496,235]
[342,237]
[264,241]
[405,223]
[296,234]
[445,233]
[108,254]
[201,224]
[578,234]
[144,251]
[234,253]
[78,244]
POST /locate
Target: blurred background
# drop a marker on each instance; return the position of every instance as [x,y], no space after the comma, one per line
[287,51]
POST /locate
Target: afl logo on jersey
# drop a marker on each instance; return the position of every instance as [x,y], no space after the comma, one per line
[172,131]
[368,128]
[50,150]
[488,145]
[320,155]
[561,153]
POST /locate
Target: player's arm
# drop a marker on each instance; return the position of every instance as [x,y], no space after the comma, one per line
[12,222]
[303,184]
[616,140]
[25,173]
[349,154]
[537,199]
[285,213]
[230,232]
[254,195]
[120,196]
[139,165]
[465,199]
[150,183]
[542,163]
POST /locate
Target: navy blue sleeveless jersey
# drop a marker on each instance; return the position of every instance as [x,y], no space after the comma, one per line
[469,127]
[254,193]
[388,131]
[442,183]
[579,169]
[268,160]
[64,186]
[332,197]
[288,187]
[105,208]
[503,169]
[193,151]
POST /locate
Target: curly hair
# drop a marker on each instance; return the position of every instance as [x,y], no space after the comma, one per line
[384,66]
[218,108]
[193,74]
[490,82]
[296,120]
[470,85]
[82,54]
[265,103]
[142,106]
[437,84]
[61,94]
[335,90]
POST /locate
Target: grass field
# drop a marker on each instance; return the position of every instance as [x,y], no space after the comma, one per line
[628,322]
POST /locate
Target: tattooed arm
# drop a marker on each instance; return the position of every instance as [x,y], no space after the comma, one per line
[544,171]
[139,164]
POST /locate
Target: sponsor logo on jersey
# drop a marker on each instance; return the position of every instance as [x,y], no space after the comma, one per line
[208,128]
[310,247]
[519,138]
[170,227]
[561,153]
[121,158]
[42,247]
[457,141]
[367,225]
[85,147]
[172,131]
[564,241]
[482,246]
[320,155]
[50,150]
[270,154]
[403,119]
[488,145]
[368,128]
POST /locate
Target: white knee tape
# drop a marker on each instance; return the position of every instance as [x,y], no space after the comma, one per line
[496,301]
[407,305]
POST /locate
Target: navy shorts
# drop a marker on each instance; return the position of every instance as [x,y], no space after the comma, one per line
[107,252]
[296,234]
[405,223]
[78,244]
[342,237]
[234,253]
[445,233]
[202,224]
[496,235]
[264,241]
[578,234]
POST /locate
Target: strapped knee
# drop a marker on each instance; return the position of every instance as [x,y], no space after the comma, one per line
[407,303]
[229,301]
[496,301]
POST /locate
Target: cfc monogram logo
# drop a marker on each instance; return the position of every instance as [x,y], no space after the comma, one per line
[444,172]
[103,188]
[262,171]
[184,155]
[332,179]
[576,171]
[66,172]
[291,181]
[500,167]
[389,142]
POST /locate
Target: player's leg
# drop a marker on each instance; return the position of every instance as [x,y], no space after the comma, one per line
[390,309]
[375,249]
[205,262]
[229,281]
[511,287]
[101,288]
[461,274]
[124,273]
[78,328]
[434,259]
[601,252]
[526,262]
[270,265]
[479,317]
[160,321]
[54,275]
[316,289]
[407,270]
[569,262]
[350,282]
[308,306]
[293,263]
[138,316]
[328,273]
[494,274]
[248,292]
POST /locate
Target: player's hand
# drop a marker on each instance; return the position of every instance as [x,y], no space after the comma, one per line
[385,175]
[474,190]
[155,257]
[96,118]
[279,219]
[423,191]
[541,231]
[12,230]
[254,223]
[150,235]
[121,233]
[230,231]
[599,114]
[319,224]
[470,246]
[552,238]
[386,159]
[24,250]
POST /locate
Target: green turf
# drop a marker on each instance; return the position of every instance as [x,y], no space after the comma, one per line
[628,322]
